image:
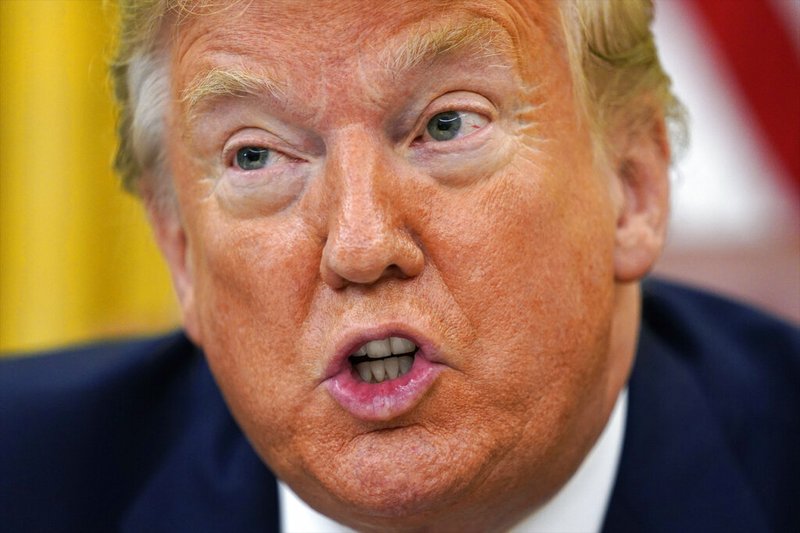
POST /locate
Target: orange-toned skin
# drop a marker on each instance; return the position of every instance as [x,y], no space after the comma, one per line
[508,247]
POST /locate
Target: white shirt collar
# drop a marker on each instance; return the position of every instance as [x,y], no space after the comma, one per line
[580,505]
[588,490]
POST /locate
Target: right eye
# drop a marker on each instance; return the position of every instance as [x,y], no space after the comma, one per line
[252,157]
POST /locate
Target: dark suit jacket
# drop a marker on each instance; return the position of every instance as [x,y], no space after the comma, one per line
[134,436]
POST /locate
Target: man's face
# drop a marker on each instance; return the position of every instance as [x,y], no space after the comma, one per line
[351,172]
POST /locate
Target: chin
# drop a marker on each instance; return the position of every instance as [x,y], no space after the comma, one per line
[399,473]
[446,475]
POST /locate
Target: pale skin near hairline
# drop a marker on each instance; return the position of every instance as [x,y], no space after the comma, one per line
[266,286]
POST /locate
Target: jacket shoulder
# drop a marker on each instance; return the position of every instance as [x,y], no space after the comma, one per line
[746,361]
[713,420]
[81,383]
[694,321]
[84,367]
[86,424]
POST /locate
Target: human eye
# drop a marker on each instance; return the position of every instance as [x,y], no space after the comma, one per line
[252,158]
[248,158]
[453,124]
[261,173]
[255,156]
[255,152]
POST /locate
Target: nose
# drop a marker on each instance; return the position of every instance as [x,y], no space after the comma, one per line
[368,237]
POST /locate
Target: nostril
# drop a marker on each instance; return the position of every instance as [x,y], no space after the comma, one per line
[365,257]
[338,272]
[394,271]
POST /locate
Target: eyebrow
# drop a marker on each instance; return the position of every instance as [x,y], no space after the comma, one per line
[482,36]
[231,81]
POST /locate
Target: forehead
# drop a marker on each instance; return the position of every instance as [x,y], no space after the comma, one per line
[309,32]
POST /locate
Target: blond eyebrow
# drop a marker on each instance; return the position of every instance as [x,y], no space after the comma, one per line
[483,36]
[235,81]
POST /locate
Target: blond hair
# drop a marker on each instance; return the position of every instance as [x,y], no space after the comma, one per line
[617,76]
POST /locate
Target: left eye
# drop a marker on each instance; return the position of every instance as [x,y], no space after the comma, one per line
[252,158]
[452,124]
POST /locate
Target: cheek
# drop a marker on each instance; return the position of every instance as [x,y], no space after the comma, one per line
[254,285]
[529,264]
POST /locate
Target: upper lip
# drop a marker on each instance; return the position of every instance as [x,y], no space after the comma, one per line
[355,337]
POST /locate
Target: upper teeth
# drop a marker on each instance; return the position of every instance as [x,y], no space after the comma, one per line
[385,364]
[386,347]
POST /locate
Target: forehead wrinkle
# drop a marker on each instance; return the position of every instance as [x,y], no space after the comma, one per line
[482,36]
[235,82]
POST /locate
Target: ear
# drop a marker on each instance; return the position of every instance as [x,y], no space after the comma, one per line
[170,236]
[641,168]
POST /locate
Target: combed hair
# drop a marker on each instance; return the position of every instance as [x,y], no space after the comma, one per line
[617,77]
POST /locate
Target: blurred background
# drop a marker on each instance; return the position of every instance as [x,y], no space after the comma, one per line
[76,257]
[77,261]
[736,191]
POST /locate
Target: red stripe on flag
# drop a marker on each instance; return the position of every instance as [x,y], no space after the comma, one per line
[760,55]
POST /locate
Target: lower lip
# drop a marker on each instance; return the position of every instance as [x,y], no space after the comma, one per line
[386,400]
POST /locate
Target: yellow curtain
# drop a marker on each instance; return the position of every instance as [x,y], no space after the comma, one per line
[76,257]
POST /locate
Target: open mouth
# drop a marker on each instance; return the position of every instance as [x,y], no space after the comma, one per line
[384,377]
[380,360]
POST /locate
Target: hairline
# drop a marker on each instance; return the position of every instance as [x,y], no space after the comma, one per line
[136,171]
